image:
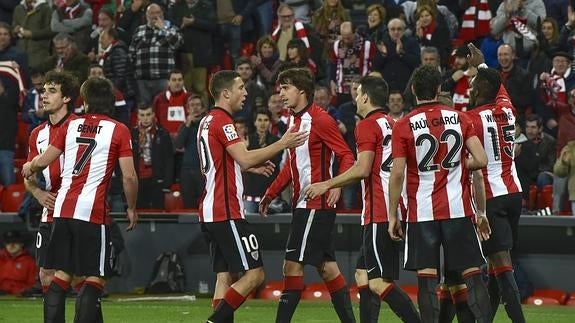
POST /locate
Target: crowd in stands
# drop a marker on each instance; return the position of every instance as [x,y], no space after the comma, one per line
[160,54]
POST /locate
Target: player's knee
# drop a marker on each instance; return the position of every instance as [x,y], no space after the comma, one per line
[499,259]
[377,286]
[292,268]
[329,270]
[46,276]
[255,276]
[361,277]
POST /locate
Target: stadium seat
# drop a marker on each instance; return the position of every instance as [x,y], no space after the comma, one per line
[173,201]
[18,163]
[21,147]
[531,204]
[411,291]
[317,291]
[12,197]
[547,297]
[271,290]
[571,300]
[175,187]
[1,191]
[545,197]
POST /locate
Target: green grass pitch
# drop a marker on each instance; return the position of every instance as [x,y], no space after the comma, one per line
[258,311]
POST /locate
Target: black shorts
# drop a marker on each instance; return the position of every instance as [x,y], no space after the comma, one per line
[381,253]
[461,246]
[80,248]
[42,240]
[503,213]
[233,245]
[311,237]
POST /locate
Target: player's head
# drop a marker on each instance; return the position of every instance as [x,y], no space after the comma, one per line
[426,81]
[228,90]
[98,96]
[372,93]
[484,87]
[296,87]
[146,116]
[262,121]
[60,91]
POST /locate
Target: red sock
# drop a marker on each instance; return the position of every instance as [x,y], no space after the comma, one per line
[335,284]
[362,287]
[234,298]
[444,294]
[79,285]
[215,302]
[95,284]
[60,282]
[500,270]
[386,291]
[45,289]
[293,283]
[460,296]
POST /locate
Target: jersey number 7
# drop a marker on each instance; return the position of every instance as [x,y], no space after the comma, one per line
[83,141]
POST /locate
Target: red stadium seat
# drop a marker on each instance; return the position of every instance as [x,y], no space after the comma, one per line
[547,297]
[21,147]
[18,163]
[571,300]
[317,291]
[532,197]
[175,187]
[173,201]
[12,197]
[271,290]
[545,197]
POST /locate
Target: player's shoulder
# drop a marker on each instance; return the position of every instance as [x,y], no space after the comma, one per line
[36,130]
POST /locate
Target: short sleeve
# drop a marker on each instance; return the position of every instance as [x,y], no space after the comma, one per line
[124,141]
[225,133]
[32,146]
[59,139]
[399,139]
[366,137]
[467,128]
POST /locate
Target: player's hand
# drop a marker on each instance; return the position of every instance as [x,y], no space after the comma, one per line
[333,196]
[266,169]
[27,170]
[394,229]
[457,75]
[264,204]
[292,138]
[45,198]
[132,216]
[475,57]
[483,228]
[315,190]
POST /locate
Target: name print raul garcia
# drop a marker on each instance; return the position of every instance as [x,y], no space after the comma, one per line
[424,123]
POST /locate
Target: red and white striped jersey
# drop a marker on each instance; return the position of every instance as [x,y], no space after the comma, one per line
[312,162]
[222,198]
[495,126]
[432,139]
[37,143]
[92,145]
[373,133]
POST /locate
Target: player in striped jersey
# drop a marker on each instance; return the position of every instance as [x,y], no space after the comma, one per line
[310,239]
[223,155]
[493,116]
[373,138]
[430,148]
[80,239]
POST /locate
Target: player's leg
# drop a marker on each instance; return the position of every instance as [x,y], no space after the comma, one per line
[42,239]
[58,256]
[382,261]
[503,271]
[493,288]
[458,292]
[223,281]
[238,248]
[446,306]
[338,290]
[369,302]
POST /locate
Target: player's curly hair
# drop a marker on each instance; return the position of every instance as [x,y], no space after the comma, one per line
[487,82]
[69,85]
[301,78]
[426,81]
[98,96]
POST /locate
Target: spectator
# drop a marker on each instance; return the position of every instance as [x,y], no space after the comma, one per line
[431,31]
[74,18]
[376,23]
[266,61]
[475,20]
[241,128]
[134,17]
[169,105]
[197,21]
[516,80]
[152,52]
[397,55]
[489,46]
[555,10]
[298,56]
[516,20]
[565,168]
[191,180]
[545,147]
[429,56]
[279,115]
[395,105]
[116,64]
[32,110]
[264,14]
[526,161]
[327,20]
[443,14]
[232,16]
[14,71]
[8,110]
[351,57]
[105,22]
[121,112]
[31,28]
[255,185]
[18,268]
[257,96]
[67,57]
[457,80]
[153,160]
[301,10]
[548,43]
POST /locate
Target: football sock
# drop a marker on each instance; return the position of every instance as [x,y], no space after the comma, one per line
[45,289]
[226,307]
[340,299]
[510,293]
[427,297]
[215,303]
[368,305]
[478,297]
[446,307]
[88,303]
[493,289]
[464,314]
[400,304]
[55,301]
[293,285]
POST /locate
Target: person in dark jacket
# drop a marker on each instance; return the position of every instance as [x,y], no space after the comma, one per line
[516,80]
[134,16]
[197,22]
[8,111]
[153,160]
[116,63]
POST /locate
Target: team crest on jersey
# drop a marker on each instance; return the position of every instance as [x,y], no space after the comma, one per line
[255,255]
[230,132]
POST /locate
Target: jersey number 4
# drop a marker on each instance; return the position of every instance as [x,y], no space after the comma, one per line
[83,141]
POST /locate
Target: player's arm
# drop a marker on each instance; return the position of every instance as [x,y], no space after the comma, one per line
[277,186]
[483,228]
[41,161]
[250,158]
[360,170]
[396,178]
[45,198]
[130,184]
[478,158]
